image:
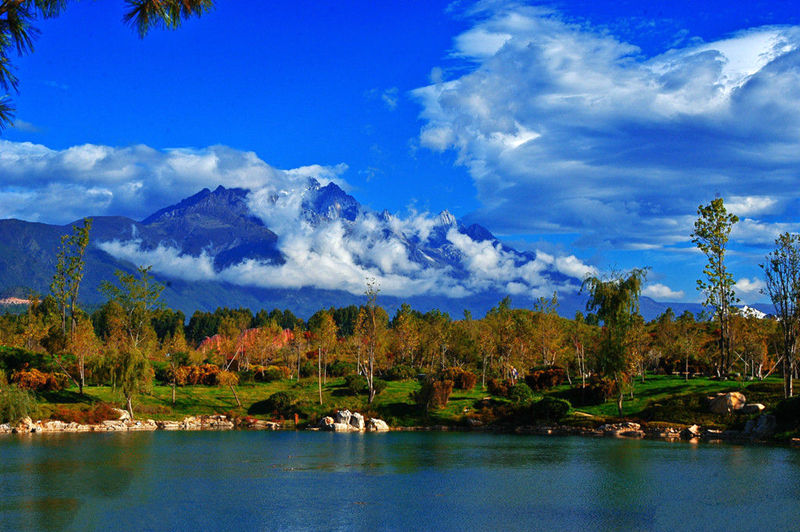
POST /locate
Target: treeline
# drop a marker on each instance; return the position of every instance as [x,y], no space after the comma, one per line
[134,338]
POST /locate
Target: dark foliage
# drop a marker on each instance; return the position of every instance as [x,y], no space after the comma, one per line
[546,378]
[520,393]
[400,372]
[550,409]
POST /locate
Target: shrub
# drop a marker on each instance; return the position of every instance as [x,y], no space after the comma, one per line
[520,393]
[462,379]
[543,379]
[357,384]
[162,371]
[227,378]
[499,387]
[307,369]
[401,372]
[787,412]
[203,374]
[269,373]
[15,403]
[596,392]
[433,394]
[550,409]
[87,415]
[340,368]
[39,381]
[279,403]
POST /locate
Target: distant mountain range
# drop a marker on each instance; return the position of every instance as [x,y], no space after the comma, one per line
[215,249]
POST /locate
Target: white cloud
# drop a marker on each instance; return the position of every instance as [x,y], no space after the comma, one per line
[748,288]
[750,205]
[60,186]
[662,292]
[566,129]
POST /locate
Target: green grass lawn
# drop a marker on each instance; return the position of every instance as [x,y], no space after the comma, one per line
[659,398]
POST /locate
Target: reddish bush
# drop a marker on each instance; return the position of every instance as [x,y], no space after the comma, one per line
[499,387]
[433,394]
[441,393]
[543,379]
[39,381]
[87,415]
[462,379]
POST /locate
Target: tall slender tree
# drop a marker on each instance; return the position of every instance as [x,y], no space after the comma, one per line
[711,232]
[782,272]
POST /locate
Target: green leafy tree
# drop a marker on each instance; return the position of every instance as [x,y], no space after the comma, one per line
[138,297]
[65,286]
[782,272]
[711,232]
[17,32]
[617,302]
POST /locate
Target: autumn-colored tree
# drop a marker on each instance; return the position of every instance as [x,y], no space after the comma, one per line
[548,332]
[323,333]
[406,335]
[372,322]
[501,322]
[84,344]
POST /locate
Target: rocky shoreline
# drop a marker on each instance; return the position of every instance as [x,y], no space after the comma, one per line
[125,424]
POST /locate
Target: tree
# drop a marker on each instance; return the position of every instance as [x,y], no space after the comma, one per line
[782,272]
[323,332]
[371,327]
[18,33]
[137,297]
[711,231]
[548,333]
[617,302]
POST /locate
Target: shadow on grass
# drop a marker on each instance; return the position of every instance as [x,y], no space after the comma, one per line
[68,397]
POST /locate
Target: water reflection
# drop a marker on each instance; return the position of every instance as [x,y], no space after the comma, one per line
[442,481]
[47,478]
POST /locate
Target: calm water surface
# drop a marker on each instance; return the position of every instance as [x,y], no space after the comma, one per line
[396,481]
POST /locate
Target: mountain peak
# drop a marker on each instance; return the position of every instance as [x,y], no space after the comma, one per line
[445,219]
[329,203]
[222,203]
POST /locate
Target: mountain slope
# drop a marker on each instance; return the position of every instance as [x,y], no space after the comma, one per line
[216,249]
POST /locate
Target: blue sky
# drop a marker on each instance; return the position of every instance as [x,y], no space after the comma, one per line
[590,130]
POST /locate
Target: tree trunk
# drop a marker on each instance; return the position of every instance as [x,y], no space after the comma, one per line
[686,368]
[483,373]
[235,396]
[129,400]
[173,393]
[619,399]
[319,373]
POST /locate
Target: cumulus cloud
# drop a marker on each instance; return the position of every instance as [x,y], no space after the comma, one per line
[745,287]
[566,128]
[663,292]
[60,186]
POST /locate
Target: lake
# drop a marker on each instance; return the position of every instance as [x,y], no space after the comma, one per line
[392,481]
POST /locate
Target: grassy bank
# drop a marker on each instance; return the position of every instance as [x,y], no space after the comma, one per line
[665,399]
